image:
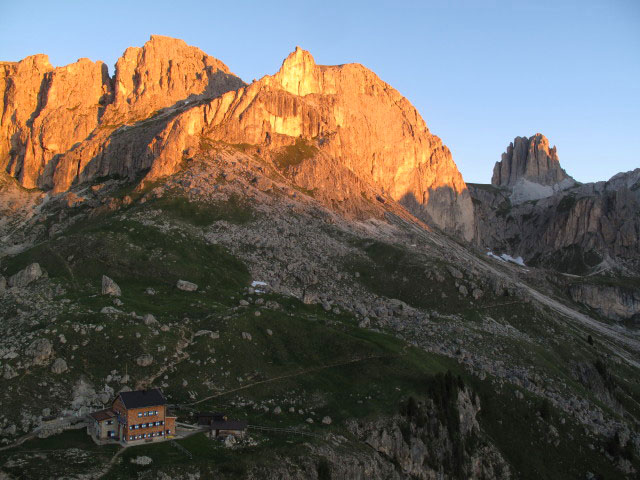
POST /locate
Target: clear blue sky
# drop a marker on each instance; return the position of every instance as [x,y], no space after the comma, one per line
[479,72]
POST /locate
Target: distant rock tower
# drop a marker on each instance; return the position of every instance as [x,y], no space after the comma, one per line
[531,169]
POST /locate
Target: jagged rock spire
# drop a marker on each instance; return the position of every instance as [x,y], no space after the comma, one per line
[530,159]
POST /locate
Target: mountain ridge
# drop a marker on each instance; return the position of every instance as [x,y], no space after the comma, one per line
[174,94]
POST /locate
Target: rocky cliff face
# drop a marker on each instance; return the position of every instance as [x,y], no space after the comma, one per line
[165,71]
[57,121]
[75,123]
[615,302]
[47,111]
[424,438]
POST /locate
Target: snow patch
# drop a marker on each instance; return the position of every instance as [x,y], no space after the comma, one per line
[507,258]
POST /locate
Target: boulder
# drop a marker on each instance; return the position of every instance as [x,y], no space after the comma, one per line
[9,372]
[144,360]
[149,320]
[59,366]
[110,310]
[327,420]
[26,276]
[109,287]
[40,350]
[186,286]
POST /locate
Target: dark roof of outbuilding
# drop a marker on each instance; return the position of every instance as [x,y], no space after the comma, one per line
[228,425]
[102,415]
[204,418]
[143,398]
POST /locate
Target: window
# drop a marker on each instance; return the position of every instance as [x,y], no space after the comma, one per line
[161,433]
[109,422]
[137,426]
[130,427]
[131,437]
[168,432]
[139,414]
[156,412]
[144,425]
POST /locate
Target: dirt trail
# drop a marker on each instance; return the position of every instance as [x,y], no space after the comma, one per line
[107,468]
[180,355]
[290,375]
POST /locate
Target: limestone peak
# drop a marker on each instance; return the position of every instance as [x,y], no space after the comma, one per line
[531,159]
[298,74]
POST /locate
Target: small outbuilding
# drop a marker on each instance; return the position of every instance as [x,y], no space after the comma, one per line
[105,425]
[219,425]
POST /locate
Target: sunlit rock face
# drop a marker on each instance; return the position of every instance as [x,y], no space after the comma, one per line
[165,71]
[46,111]
[75,123]
[351,116]
[58,122]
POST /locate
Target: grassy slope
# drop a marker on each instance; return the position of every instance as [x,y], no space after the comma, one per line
[328,365]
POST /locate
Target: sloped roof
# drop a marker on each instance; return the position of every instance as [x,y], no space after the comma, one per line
[102,415]
[205,418]
[143,398]
[228,425]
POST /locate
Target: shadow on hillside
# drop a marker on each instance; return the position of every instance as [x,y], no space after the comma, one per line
[443,208]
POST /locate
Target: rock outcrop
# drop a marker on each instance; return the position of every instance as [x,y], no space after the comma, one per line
[614,302]
[530,169]
[360,139]
[40,350]
[26,276]
[109,287]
